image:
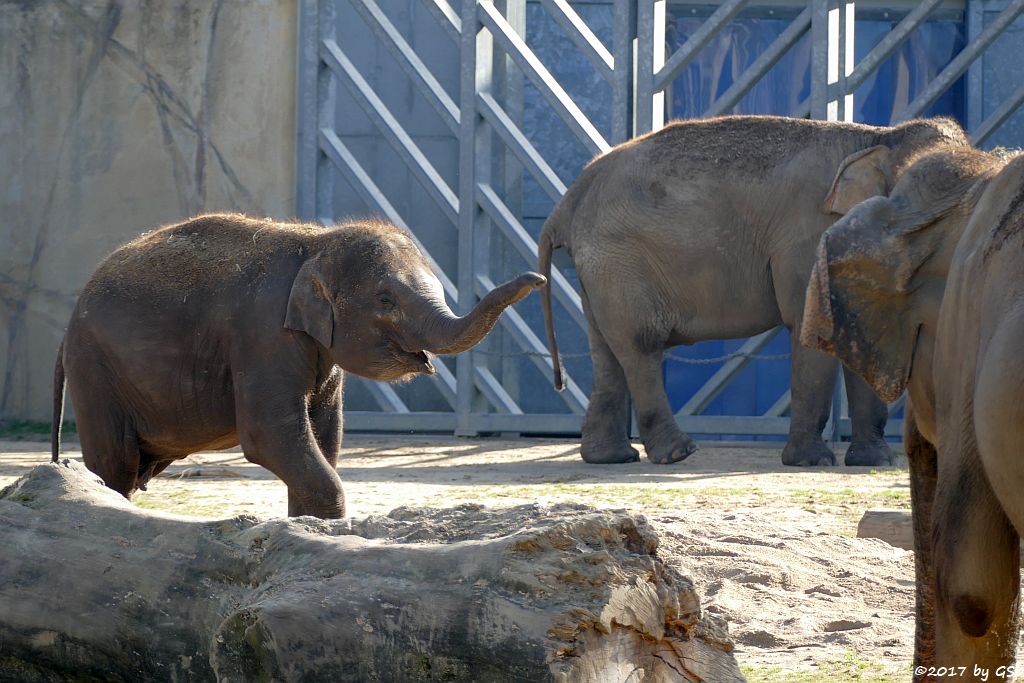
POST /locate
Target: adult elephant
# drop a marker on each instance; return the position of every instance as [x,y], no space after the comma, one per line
[924,290]
[707,229]
[226,329]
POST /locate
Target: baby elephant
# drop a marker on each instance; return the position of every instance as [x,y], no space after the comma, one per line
[226,329]
[923,290]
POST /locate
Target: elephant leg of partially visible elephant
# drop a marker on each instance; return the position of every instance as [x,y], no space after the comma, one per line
[921,459]
[977,566]
[868,415]
[277,435]
[606,424]
[813,379]
[664,441]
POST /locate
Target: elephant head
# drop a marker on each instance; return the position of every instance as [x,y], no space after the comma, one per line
[880,271]
[367,294]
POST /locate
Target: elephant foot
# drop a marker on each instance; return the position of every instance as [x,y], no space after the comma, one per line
[681,450]
[609,455]
[870,453]
[808,454]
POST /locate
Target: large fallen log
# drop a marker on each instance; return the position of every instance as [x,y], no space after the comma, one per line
[94,588]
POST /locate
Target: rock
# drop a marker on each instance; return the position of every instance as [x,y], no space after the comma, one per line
[94,588]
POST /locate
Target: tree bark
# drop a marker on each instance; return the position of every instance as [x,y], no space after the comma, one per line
[94,588]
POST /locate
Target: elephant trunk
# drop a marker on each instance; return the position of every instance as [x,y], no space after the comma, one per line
[446,333]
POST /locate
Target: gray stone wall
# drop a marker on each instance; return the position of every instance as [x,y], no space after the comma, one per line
[116,117]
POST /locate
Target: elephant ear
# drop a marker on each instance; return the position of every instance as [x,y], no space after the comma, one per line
[880,271]
[863,174]
[869,283]
[309,305]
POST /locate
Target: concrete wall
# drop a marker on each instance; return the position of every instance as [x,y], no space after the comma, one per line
[120,116]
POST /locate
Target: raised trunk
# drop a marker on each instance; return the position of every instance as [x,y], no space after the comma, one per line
[446,333]
[94,588]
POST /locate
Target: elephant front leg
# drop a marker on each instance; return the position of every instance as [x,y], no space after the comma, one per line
[868,413]
[921,458]
[811,384]
[664,441]
[606,425]
[977,571]
[276,432]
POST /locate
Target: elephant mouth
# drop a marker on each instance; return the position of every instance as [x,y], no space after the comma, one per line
[420,360]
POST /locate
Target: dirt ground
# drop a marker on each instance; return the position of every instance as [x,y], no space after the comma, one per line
[772,548]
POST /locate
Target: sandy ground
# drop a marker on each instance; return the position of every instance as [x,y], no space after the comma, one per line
[772,548]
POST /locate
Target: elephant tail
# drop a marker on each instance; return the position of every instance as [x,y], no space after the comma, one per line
[544,248]
[58,404]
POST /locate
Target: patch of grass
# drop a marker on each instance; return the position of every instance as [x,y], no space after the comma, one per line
[27,430]
[897,498]
[644,495]
[850,668]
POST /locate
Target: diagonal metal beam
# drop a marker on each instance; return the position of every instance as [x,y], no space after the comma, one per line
[707,32]
[503,217]
[780,407]
[764,62]
[537,352]
[447,17]
[579,33]
[361,182]
[409,62]
[879,53]
[524,150]
[718,382]
[385,121]
[385,396]
[996,118]
[516,48]
[887,45]
[492,390]
[959,65]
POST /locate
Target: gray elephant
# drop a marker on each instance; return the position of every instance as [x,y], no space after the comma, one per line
[707,229]
[924,290]
[226,329]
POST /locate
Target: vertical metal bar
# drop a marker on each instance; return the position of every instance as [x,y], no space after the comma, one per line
[847,21]
[306,110]
[475,60]
[819,59]
[832,34]
[975,21]
[650,57]
[326,112]
[510,80]
[622,72]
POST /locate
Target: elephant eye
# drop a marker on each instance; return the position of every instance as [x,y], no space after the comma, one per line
[385,301]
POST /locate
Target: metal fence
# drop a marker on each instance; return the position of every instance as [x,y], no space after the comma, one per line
[480,197]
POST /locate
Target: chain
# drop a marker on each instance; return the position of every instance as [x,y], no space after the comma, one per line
[668,356]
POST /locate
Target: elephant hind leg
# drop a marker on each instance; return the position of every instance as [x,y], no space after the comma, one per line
[110,446]
[664,441]
[606,425]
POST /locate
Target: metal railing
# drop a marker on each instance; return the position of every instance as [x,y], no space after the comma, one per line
[493,52]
